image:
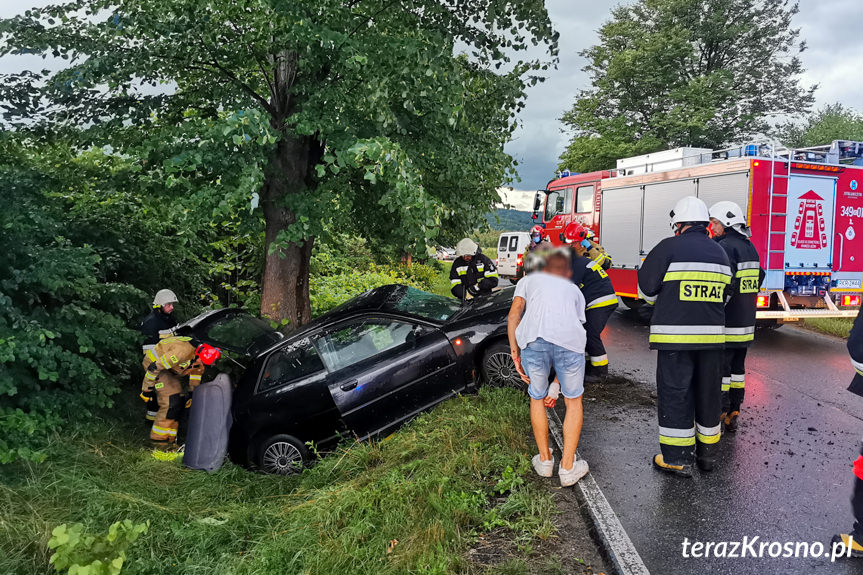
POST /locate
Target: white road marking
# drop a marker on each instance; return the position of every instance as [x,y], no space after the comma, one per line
[617,543]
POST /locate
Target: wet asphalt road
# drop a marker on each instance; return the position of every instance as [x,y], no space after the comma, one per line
[785,476]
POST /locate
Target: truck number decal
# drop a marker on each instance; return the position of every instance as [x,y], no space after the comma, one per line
[701,291]
[748,285]
[850,211]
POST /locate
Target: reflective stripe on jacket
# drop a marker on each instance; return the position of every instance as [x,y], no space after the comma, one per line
[685,277]
[594,283]
[743,291]
[480,274]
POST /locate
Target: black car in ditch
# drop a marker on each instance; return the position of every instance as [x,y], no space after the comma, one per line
[360,370]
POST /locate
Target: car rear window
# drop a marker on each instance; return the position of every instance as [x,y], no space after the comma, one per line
[423,304]
[502,244]
[242,333]
[513,243]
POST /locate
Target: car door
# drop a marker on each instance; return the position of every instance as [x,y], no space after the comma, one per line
[383,370]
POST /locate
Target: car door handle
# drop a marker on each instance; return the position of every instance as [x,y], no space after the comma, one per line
[348,386]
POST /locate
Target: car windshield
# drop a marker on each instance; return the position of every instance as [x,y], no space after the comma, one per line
[242,333]
[423,304]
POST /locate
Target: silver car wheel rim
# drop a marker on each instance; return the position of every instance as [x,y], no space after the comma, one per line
[501,371]
[282,458]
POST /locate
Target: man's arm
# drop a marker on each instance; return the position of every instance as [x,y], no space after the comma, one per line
[651,273]
[490,276]
[512,321]
[456,285]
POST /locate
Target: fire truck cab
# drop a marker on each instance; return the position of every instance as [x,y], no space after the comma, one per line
[803,207]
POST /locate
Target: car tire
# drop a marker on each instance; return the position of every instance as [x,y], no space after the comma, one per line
[282,454]
[498,369]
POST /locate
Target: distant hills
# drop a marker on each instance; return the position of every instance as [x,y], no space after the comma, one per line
[510,220]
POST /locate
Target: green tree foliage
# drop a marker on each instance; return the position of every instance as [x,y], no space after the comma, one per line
[832,122]
[367,118]
[670,73]
[64,344]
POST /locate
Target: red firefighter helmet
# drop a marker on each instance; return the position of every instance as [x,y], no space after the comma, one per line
[208,354]
[536,230]
[575,233]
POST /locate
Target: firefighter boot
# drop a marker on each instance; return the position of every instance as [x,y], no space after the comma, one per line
[679,470]
[845,539]
[730,421]
[704,457]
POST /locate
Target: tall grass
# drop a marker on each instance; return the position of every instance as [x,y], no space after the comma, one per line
[432,487]
[838,326]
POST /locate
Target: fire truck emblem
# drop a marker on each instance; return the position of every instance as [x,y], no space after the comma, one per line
[809,227]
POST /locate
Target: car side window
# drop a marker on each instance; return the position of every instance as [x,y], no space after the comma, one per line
[350,343]
[502,245]
[290,363]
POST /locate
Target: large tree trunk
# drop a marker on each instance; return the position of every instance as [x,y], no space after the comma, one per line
[285,285]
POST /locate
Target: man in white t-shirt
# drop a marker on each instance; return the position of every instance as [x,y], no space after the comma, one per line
[545,328]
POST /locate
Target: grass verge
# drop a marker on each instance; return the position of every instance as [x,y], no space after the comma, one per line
[838,326]
[411,504]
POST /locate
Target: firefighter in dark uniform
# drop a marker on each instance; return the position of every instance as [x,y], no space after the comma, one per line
[728,224]
[472,272]
[156,326]
[601,301]
[685,278]
[855,348]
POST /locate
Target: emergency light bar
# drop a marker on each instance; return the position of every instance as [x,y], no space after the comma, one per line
[817,167]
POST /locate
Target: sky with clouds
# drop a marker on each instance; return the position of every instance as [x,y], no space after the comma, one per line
[832,29]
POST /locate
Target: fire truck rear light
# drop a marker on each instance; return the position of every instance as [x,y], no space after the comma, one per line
[851,300]
[763,301]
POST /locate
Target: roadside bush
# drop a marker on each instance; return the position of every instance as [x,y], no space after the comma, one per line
[78,249]
[83,554]
[327,292]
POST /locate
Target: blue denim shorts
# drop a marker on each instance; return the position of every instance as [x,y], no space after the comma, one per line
[540,356]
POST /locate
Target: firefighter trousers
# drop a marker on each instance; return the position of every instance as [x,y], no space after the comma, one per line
[688,388]
[733,379]
[596,319]
[857,498]
[172,402]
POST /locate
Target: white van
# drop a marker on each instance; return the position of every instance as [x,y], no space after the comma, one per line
[510,250]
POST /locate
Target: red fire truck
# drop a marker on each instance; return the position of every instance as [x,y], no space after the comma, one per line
[803,207]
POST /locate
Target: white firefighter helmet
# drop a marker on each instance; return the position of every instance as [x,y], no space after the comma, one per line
[729,214]
[164,297]
[689,209]
[466,247]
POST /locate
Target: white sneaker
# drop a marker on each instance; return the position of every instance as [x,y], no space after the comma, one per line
[543,468]
[571,476]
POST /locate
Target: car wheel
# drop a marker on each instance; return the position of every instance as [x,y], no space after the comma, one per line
[282,455]
[498,369]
